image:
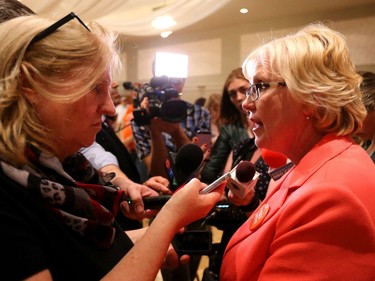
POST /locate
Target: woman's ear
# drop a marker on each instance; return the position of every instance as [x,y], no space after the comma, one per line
[29,94]
[308,110]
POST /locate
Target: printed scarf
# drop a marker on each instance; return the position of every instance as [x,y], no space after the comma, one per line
[84,200]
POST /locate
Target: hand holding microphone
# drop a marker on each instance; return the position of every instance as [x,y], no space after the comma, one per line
[238,179]
[181,167]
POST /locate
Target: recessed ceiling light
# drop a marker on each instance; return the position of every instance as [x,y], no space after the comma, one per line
[165,34]
[244,11]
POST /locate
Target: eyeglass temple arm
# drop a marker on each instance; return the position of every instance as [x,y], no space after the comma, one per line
[55,26]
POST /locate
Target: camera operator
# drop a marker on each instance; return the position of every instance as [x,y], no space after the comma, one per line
[163,134]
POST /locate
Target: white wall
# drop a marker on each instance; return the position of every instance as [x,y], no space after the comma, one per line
[213,54]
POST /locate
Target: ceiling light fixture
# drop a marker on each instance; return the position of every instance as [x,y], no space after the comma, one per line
[165,34]
[163,22]
[244,11]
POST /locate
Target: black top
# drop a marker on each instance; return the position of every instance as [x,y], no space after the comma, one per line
[32,239]
[108,139]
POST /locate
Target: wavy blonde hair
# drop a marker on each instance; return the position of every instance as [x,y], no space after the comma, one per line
[315,64]
[71,59]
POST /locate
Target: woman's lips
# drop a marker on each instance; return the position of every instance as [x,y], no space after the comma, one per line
[257,125]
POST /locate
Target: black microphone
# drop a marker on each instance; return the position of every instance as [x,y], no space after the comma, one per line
[183,165]
[152,202]
[241,177]
[129,86]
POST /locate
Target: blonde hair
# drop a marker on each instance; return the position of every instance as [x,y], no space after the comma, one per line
[70,60]
[315,64]
[213,100]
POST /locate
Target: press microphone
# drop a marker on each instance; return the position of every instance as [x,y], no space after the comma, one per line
[277,163]
[151,202]
[183,166]
[241,177]
[129,86]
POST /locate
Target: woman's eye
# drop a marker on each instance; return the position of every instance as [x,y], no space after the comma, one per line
[263,86]
[101,89]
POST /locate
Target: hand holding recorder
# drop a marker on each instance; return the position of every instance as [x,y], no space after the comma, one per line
[237,180]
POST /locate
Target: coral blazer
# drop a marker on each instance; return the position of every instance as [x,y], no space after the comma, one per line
[318,223]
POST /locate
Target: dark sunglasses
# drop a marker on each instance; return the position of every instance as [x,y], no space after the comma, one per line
[51,29]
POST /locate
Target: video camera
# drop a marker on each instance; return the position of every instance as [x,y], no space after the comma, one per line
[163,102]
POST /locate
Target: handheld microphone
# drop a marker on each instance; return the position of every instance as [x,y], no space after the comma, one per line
[152,202]
[241,177]
[183,166]
[277,163]
[129,86]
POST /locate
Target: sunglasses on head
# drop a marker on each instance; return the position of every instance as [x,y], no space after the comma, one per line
[49,30]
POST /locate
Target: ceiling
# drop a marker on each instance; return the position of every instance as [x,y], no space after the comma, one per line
[133,17]
[263,12]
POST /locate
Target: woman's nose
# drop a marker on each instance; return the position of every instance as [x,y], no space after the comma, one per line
[108,106]
[248,105]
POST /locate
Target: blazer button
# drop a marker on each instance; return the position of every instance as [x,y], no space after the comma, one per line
[258,217]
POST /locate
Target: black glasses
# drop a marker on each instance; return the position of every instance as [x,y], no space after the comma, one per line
[51,29]
[254,91]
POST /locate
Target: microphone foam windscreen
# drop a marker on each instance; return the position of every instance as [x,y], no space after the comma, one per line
[189,157]
[128,85]
[245,171]
[273,159]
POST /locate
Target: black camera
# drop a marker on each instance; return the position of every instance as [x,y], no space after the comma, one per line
[163,102]
[193,242]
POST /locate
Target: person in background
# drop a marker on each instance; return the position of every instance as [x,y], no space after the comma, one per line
[125,130]
[52,100]
[121,107]
[319,221]
[200,101]
[234,126]
[367,132]
[213,106]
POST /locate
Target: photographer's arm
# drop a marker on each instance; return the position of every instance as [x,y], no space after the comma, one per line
[179,136]
[159,150]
